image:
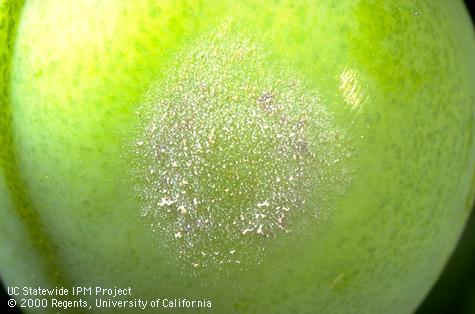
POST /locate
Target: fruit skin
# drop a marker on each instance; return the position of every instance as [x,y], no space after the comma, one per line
[400,78]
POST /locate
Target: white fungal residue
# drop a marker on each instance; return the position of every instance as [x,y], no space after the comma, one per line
[231,146]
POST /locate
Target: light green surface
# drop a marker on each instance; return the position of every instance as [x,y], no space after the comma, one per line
[397,80]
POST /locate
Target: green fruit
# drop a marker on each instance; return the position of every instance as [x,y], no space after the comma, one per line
[270,157]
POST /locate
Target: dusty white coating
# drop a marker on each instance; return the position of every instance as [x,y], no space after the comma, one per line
[231,146]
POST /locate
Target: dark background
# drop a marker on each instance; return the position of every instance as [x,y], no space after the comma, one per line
[454,292]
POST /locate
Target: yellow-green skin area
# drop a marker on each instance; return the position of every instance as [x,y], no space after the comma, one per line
[399,77]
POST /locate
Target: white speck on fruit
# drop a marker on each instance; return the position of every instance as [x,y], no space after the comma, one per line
[231,146]
[263,204]
[182,209]
[259,230]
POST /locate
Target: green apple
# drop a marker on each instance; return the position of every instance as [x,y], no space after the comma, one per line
[286,156]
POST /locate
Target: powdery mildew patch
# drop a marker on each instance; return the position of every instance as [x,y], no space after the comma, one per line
[231,147]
